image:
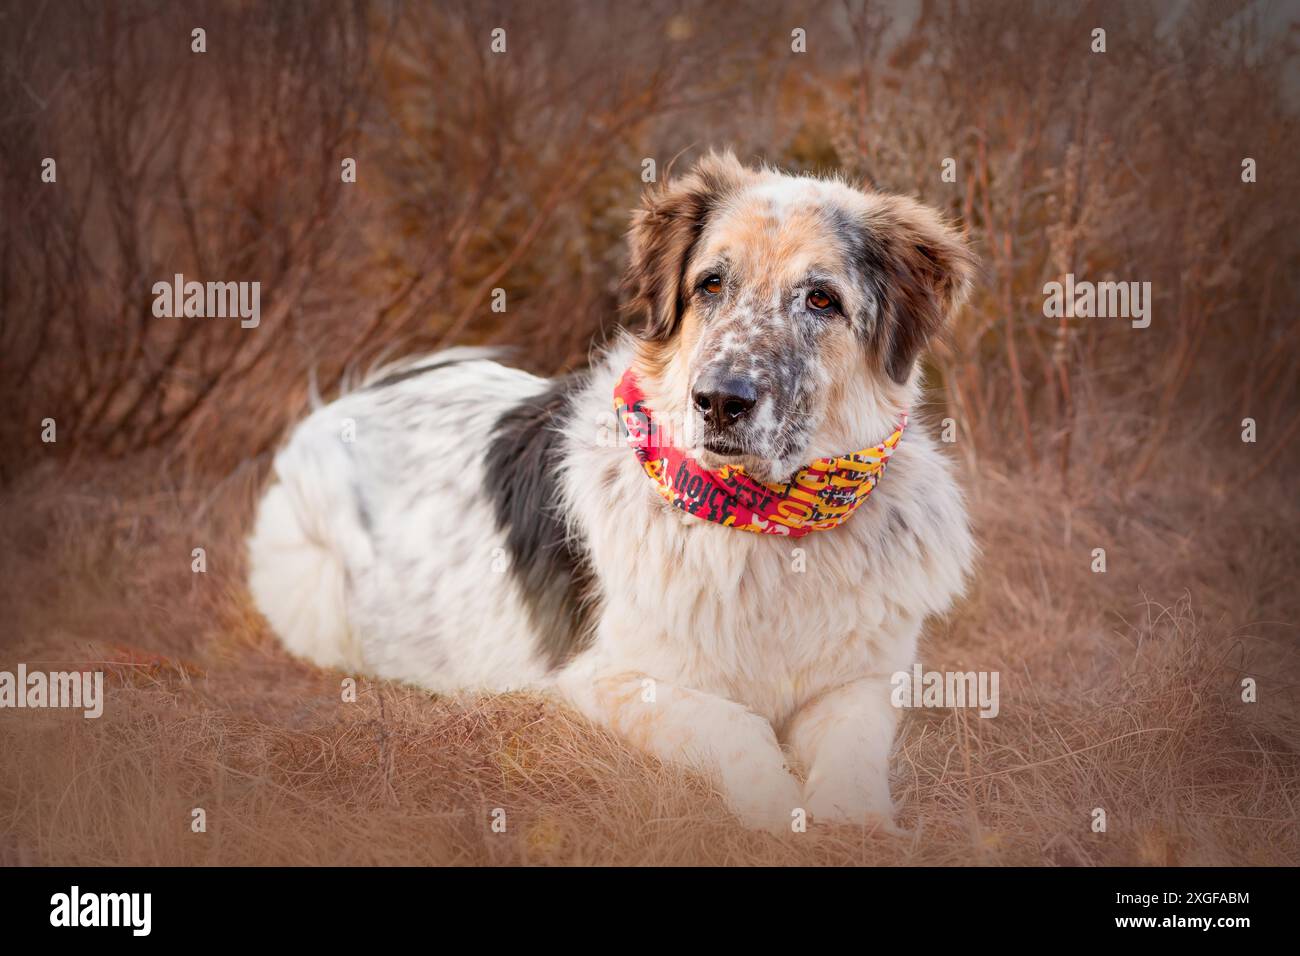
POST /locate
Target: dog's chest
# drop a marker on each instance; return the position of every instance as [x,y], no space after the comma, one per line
[764,620]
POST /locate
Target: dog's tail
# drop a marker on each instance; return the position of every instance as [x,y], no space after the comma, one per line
[387,372]
[308,533]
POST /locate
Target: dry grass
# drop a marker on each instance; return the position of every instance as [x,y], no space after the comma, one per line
[1119,691]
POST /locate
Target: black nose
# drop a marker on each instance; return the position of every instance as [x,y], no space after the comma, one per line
[723,400]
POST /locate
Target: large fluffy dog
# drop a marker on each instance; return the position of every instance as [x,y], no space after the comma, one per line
[463,525]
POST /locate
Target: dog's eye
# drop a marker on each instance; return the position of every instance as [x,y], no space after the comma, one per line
[712,285]
[819,300]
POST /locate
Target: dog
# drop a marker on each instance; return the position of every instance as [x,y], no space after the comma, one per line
[719,541]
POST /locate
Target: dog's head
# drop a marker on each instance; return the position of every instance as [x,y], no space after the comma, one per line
[783,316]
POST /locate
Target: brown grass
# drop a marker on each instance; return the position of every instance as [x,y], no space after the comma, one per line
[1119,690]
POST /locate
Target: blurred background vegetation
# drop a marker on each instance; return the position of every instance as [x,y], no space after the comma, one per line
[478,170]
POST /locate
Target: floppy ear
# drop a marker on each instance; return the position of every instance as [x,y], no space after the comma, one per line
[921,269]
[664,231]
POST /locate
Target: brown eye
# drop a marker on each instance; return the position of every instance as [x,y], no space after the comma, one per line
[712,285]
[819,300]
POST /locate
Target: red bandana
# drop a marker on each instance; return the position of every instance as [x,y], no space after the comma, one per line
[821,495]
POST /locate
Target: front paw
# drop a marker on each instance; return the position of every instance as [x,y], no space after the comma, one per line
[852,804]
[764,796]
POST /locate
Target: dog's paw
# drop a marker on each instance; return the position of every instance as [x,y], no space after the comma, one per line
[763,794]
[851,806]
[771,809]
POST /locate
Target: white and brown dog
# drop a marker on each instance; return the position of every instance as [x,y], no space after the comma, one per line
[465,526]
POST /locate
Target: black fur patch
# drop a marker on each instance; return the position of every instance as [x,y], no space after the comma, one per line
[553,573]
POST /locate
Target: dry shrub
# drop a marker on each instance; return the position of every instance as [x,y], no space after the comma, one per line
[516,172]
[220,166]
[474,172]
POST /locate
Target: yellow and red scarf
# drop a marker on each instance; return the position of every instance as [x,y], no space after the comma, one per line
[821,495]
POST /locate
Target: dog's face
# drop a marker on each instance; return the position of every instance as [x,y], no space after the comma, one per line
[776,306]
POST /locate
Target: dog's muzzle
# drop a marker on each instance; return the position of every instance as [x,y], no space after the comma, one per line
[723,400]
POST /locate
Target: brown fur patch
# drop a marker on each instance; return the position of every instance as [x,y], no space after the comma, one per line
[663,233]
[779,249]
[925,269]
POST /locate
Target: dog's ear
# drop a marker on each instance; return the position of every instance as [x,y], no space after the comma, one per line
[921,269]
[664,231]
